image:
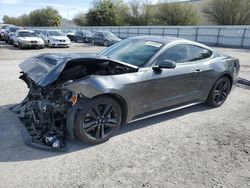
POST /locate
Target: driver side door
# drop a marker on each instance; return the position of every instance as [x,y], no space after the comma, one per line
[170,87]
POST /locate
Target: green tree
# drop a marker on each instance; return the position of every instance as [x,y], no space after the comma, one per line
[24,20]
[140,12]
[9,20]
[106,13]
[40,17]
[228,12]
[80,19]
[45,17]
[175,14]
[20,21]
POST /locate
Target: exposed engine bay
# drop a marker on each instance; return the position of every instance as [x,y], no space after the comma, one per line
[46,108]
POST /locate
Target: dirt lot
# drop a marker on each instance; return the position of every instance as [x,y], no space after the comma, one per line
[194,147]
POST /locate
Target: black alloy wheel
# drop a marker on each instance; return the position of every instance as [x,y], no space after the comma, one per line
[98,121]
[219,92]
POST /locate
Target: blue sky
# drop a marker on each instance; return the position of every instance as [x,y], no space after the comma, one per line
[19,7]
[67,8]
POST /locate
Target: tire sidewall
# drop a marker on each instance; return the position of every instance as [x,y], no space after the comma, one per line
[210,100]
[78,129]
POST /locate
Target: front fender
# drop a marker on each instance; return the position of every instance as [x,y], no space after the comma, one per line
[93,86]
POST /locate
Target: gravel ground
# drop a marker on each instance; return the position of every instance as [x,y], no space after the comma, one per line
[193,147]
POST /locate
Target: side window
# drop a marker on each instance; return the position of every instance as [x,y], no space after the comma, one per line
[197,53]
[101,35]
[178,54]
[185,53]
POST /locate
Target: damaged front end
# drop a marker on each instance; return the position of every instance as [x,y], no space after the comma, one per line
[43,112]
[50,108]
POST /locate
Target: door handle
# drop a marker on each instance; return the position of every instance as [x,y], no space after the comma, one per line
[198,70]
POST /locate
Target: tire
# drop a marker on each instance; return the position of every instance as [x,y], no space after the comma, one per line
[49,44]
[219,92]
[103,115]
[106,43]
[20,46]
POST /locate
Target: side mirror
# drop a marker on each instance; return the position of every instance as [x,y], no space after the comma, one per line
[164,64]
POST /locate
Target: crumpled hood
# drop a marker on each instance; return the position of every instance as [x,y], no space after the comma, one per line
[46,68]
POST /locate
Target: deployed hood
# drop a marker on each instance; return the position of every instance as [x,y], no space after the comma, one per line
[46,68]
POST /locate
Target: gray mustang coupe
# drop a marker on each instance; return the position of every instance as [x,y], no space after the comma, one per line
[88,96]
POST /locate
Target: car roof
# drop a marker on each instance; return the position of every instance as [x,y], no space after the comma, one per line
[25,30]
[13,26]
[160,39]
[53,30]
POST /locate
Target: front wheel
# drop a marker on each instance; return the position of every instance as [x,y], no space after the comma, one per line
[98,121]
[106,43]
[20,46]
[219,92]
[49,44]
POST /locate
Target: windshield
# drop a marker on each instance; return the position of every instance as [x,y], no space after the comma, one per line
[133,51]
[108,34]
[87,33]
[38,31]
[13,29]
[26,34]
[56,33]
[4,27]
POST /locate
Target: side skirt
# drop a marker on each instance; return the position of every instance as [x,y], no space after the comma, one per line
[163,111]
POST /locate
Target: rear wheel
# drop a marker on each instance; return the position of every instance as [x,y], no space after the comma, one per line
[98,121]
[219,92]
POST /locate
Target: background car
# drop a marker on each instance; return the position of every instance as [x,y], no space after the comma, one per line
[2,30]
[27,39]
[9,33]
[37,31]
[83,36]
[105,38]
[55,38]
[70,34]
[91,95]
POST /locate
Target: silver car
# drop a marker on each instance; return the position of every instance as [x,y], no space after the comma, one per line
[55,38]
[27,39]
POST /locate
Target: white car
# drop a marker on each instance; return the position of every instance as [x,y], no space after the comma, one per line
[55,38]
[27,39]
